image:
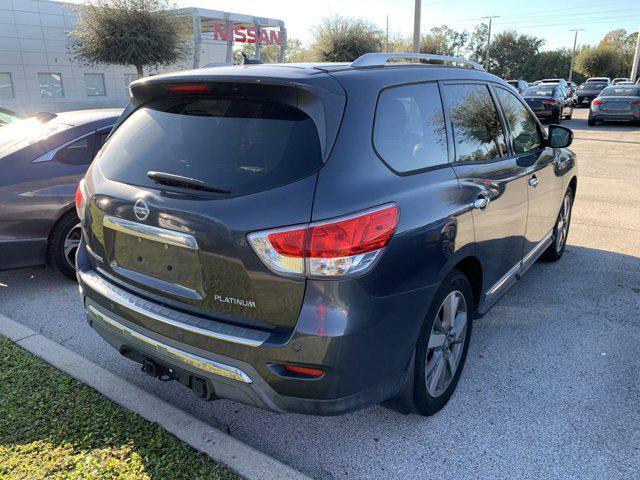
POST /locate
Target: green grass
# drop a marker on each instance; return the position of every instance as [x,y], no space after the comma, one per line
[54,427]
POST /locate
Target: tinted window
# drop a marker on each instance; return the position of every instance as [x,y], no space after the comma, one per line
[592,86]
[538,91]
[621,91]
[79,152]
[524,128]
[476,126]
[238,144]
[101,137]
[409,132]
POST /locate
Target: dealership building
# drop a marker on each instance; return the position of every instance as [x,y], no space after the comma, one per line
[38,71]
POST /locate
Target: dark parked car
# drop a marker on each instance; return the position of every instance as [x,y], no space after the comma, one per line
[519,85]
[254,235]
[549,102]
[588,91]
[616,103]
[43,158]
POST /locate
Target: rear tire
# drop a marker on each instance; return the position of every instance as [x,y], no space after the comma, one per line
[560,230]
[557,117]
[568,117]
[443,344]
[63,244]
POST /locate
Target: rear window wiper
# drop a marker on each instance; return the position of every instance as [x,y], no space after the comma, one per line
[185,182]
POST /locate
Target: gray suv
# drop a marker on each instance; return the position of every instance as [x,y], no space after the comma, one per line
[318,238]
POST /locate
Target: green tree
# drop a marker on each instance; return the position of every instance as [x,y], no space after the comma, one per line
[551,64]
[510,53]
[477,43]
[443,40]
[603,61]
[624,41]
[343,39]
[129,32]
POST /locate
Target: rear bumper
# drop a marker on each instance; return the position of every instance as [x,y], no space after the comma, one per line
[614,117]
[364,363]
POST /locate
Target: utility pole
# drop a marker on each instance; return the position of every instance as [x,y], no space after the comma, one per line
[573,53]
[416,27]
[386,43]
[486,61]
[636,60]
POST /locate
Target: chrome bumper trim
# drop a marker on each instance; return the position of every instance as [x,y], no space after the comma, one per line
[137,305]
[149,232]
[203,364]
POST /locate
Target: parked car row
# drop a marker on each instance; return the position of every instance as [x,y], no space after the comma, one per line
[554,99]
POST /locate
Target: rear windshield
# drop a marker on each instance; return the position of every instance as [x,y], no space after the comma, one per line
[539,91]
[592,86]
[242,145]
[621,91]
[513,83]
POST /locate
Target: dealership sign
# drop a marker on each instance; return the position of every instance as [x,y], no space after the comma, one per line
[242,34]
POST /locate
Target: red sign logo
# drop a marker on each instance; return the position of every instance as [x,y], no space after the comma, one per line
[242,34]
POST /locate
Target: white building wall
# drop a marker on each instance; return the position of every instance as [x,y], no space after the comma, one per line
[33,39]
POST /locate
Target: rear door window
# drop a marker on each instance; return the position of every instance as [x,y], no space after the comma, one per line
[239,144]
[477,130]
[409,132]
[79,152]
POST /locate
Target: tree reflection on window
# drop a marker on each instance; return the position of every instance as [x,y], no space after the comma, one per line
[477,130]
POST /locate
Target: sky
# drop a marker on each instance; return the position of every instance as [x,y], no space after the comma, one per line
[549,19]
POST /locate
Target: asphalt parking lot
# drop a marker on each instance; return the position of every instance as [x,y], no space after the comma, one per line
[550,389]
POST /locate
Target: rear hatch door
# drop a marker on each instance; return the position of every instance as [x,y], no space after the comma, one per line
[256,150]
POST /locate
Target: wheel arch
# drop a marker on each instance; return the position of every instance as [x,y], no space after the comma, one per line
[63,212]
[471,268]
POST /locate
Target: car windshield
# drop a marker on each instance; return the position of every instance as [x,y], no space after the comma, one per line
[539,91]
[592,86]
[21,133]
[621,91]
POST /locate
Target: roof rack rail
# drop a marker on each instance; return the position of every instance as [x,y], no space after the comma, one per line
[380,59]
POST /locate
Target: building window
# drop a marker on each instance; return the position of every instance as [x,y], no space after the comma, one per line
[128,78]
[94,84]
[6,85]
[50,85]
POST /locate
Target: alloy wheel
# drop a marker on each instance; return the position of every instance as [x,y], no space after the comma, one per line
[446,343]
[71,244]
[562,227]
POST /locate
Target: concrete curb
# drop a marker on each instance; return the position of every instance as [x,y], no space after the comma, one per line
[219,446]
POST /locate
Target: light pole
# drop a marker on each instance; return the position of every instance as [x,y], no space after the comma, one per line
[486,61]
[636,60]
[573,53]
[416,27]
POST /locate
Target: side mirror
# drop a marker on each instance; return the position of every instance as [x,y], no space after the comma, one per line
[559,137]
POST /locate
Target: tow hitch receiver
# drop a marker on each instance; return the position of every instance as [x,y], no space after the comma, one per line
[155,370]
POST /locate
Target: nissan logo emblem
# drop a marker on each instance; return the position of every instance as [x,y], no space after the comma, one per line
[141,209]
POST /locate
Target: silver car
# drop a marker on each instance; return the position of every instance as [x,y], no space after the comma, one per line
[616,103]
[42,159]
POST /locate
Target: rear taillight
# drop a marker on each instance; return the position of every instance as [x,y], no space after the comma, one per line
[81,201]
[304,371]
[635,103]
[550,102]
[596,103]
[344,246]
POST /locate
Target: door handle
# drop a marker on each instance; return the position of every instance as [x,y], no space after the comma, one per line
[482,201]
[533,181]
